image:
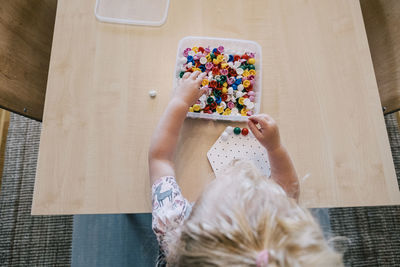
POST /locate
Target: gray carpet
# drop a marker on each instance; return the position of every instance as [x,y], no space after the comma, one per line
[27,240]
[374,232]
[46,240]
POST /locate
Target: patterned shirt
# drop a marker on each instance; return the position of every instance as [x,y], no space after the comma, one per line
[170,208]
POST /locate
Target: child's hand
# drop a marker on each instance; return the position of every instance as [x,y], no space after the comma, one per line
[267,133]
[188,88]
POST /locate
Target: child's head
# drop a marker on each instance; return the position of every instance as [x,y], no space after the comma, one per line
[243,216]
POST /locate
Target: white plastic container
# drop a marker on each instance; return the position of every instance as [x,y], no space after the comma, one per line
[134,12]
[239,46]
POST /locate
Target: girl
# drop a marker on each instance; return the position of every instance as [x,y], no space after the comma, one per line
[242,218]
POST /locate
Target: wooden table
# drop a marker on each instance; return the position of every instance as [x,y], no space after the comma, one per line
[318,82]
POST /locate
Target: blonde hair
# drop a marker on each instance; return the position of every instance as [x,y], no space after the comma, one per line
[239,215]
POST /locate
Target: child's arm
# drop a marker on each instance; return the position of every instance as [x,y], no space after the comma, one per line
[166,135]
[282,169]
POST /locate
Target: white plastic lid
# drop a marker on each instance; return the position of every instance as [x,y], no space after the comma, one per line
[136,12]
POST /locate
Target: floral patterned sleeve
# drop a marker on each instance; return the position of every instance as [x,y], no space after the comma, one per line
[170,208]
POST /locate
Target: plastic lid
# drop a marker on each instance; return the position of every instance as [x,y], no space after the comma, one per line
[136,12]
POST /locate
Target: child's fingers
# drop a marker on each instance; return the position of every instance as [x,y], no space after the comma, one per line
[195,74]
[270,122]
[186,75]
[253,128]
[201,77]
[203,90]
[260,120]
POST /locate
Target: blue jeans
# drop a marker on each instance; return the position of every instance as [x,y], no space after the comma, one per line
[113,240]
[127,239]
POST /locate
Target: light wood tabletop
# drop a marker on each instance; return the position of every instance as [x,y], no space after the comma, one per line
[318,82]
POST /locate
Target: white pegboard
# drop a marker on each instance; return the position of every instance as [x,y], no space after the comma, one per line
[238,147]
